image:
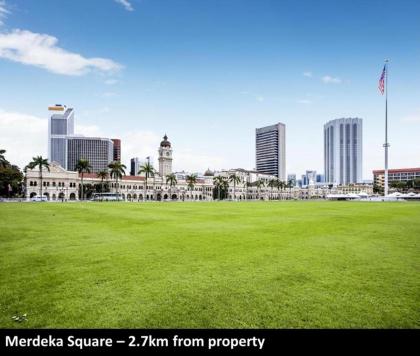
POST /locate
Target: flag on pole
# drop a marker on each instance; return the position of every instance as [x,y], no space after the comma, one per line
[382,81]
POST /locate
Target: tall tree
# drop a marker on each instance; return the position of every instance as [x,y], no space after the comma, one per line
[191,180]
[148,171]
[171,179]
[117,170]
[218,182]
[83,166]
[259,184]
[272,183]
[41,163]
[235,179]
[103,175]
[3,161]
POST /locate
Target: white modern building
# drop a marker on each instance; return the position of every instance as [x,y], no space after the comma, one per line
[270,147]
[343,151]
[60,125]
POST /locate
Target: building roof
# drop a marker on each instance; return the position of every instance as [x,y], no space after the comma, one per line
[165,142]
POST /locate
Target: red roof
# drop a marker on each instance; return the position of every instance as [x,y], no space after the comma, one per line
[399,170]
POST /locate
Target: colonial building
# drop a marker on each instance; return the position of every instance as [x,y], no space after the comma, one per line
[55,184]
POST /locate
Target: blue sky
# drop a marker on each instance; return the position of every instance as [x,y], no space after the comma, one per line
[208,73]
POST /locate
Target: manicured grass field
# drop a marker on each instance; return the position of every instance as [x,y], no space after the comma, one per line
[210,265]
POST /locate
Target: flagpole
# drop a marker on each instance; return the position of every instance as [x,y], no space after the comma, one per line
[386,145]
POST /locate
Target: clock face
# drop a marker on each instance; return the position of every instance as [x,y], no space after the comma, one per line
[167,153]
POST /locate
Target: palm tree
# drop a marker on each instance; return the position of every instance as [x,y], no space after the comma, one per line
[3,161]
[117,170]
[83,166]
[41,163]
[171,179]
[272,183]
[218,182]
[191,179]
[103,175]
[149,171]
[259,183]
[236,180]
[247,185]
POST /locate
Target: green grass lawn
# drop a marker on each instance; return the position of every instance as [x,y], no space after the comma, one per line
[210,265]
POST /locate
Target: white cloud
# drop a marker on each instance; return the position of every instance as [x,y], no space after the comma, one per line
[127,5]
[22,136]
[328,79]
[307,74]
[3,11]
[41,50]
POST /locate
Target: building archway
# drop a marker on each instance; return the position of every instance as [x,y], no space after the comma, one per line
[129,197]
[158,197]
[165,196]
[54,197]
[174,197]
[47,195]
[134,197]
[140,196]
[33,194]
[61,195]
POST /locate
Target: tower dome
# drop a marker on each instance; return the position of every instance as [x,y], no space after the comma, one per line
[165,142]
[208,173]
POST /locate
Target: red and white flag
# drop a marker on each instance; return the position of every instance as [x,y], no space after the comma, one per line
[381,85]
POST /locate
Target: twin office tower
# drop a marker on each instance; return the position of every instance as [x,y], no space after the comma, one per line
[342,150]
[66,148]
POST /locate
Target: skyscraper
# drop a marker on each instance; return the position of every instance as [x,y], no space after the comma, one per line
[66,148]
[60,125]
[117,149]
[134,166]
[270,146]
[343,151]
[98,151]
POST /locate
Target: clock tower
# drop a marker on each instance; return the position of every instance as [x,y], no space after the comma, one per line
[165,157]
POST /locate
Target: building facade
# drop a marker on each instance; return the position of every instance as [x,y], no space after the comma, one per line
[117,149]
[57,183]
[395,175]
[343,151]
[270,147]
[98,151]
[60,125]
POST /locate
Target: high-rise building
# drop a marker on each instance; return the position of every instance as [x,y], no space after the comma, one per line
[320,178]
[66,148]
[60,125]
[134,166]
[165,157]
[98,151]
[343,151]
[117,149]
[270,145]
[292,178]
[310,177]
